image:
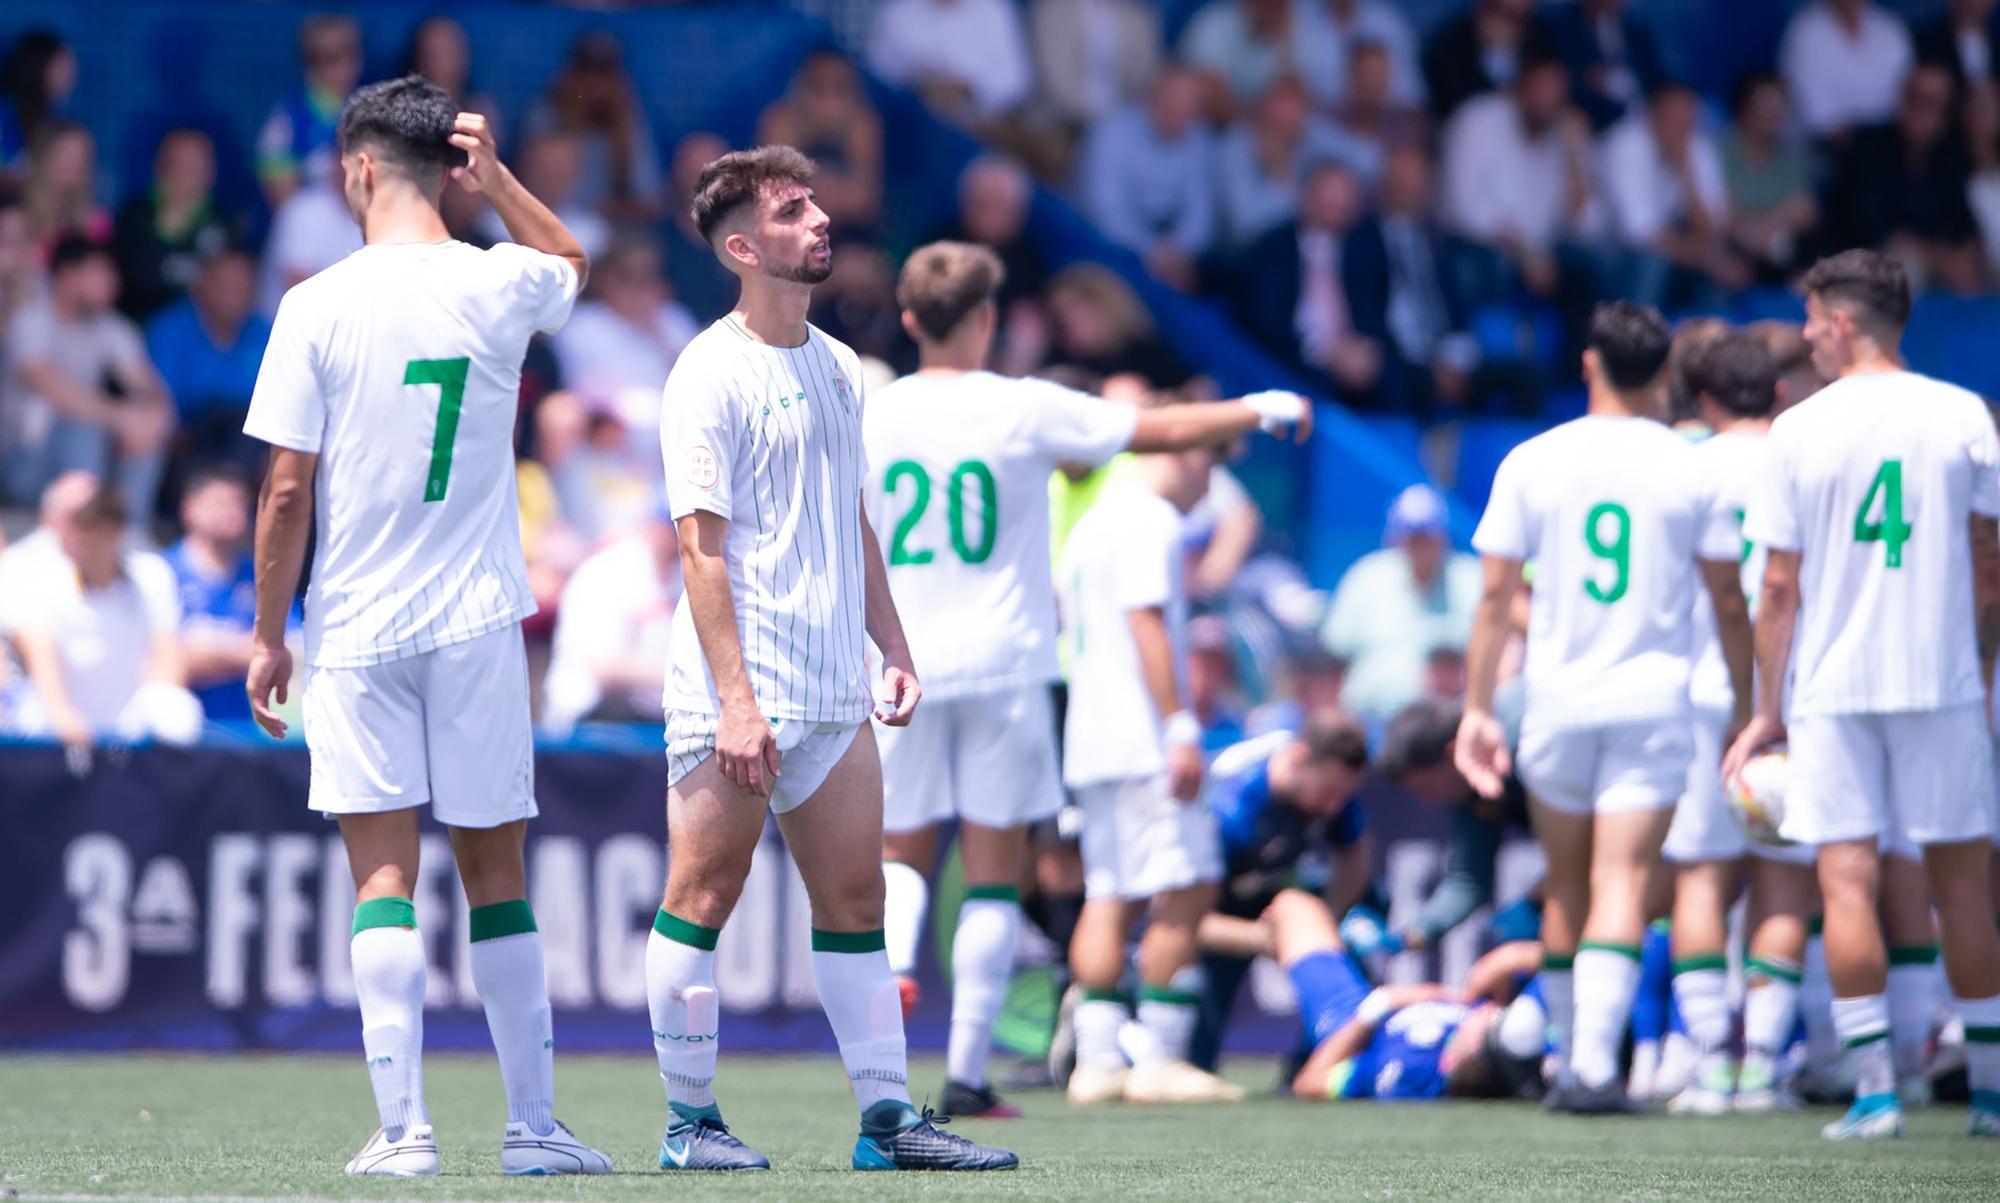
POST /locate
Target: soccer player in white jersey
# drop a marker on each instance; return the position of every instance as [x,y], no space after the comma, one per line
[959,463]
[1735,382]
[1614,512]
[388,395]
[1878,509]
[768,694]
[1132,754]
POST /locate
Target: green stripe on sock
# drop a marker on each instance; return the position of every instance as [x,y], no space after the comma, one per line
[1777,970]
[993,894]
[1981,1035]
[1559,962]
[514,918]
[1168,995]
[1091,994]
[1815,926]
[680,931]
[384,912]
[1624,950]
[1914,954]
[848,941]
[1699,962]
[1870,1038]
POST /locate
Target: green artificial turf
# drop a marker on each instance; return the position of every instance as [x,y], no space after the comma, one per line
[132,1127]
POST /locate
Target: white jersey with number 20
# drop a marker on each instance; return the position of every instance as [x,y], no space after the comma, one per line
[400,367]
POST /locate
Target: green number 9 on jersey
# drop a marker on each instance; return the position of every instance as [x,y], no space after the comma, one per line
[1617,549]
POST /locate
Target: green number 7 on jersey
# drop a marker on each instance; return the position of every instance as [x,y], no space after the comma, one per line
[449,376]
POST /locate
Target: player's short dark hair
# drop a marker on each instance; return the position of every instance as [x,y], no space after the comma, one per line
[1784,342]
[74,249]
[406,123]
[739,178]
[106,508]
[1418,737]
[1632,343]
[1871,283]
[1331,736]
[1692,338]
[1739,374]
[944,283]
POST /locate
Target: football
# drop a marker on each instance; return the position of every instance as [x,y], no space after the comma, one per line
[1757,796]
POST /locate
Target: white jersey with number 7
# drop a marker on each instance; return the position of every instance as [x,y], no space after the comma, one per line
[400,367]
[1873,481]
[1613,512]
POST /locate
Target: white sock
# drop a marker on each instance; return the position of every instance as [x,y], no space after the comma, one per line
[1982,1050]
[1863,1027]
[1098,1017]
[1770,1008]
[389,973]
[1701,989]
[1607,980]
[1645,1067]
[681,1000]
[1816,1006]
[1169,1013]
[982,963]
[1913,995]
[859,995]
[906,897]
[514,989]
[1559,992]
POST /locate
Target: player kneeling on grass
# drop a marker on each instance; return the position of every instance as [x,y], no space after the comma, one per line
[1616,515]
[961,460]
[1406,1043]
[388,394]
[1132,754]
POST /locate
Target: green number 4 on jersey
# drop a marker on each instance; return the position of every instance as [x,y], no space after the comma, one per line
[1892,531]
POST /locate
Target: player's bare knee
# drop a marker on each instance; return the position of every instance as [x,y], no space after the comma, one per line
[384,881]
[708,902]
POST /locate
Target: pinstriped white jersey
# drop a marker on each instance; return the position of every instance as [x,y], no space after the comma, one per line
[769,438]
[400,367]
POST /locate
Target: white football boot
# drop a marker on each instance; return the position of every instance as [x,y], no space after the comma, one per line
[524,1154]
[413,1155]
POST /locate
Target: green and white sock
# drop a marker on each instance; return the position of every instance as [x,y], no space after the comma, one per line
[1099,1015]
[859,995]
[982,963]
[1863,1026]
[1701,990]
[389,970]
[1607,980]
[1982,1050]
[681,1000]
[514,990]
[1913,994]
[1169,1012]
[1770,1008]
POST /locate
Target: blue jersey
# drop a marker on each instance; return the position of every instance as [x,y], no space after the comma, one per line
[219,603]
[1405,1058]
[300,136]
[1266,843]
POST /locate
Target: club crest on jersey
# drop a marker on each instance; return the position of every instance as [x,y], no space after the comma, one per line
[701,467]
[841,390]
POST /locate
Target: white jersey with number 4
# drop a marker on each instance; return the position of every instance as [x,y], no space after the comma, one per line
[1613,511]
[958,494]
[1872,481]
[400,367]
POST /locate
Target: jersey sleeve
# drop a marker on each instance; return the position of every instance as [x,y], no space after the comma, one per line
[288,407]
[1985,449]
[1503,528]
[700,441]
[1718,534]
[1069,427]
[1772,518]
[547,285]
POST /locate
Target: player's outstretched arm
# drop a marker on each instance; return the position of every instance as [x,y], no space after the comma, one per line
[1777,611]
[529,222]
[900,691]
[1480,752]
[1213,423]
[744,744]
[284,521]
[1732,628]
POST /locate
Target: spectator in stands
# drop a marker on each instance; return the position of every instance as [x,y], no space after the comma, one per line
[97,636]
[440,52]
[1093,57]
[550,165]
[60,194]
[1241,48]
[207,347]
[699,280]
[1367,111]
[20,267]
[620,343]
[1261,162]
[297,142]
[994,197]
[592,98]
[218,589]
[857,306]
[1667,204]
[1903,187]
[1981,121]
[1516,181]
[1212,687]
[1293,287]
[968,59]
[1394,606]
[1768,174]
[312,231]
[1404,298]
[36,79]
[164,232]
[1844,61]
[60,501]
[826,114]
[1482,51]
[1220,533]
[1098,324]
[1147,178]
[65,351]
[1961,40]
[608,661]
[1333,30]
[1613,60]
[604,484]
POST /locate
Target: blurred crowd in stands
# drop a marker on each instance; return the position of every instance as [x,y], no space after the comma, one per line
[1415,220]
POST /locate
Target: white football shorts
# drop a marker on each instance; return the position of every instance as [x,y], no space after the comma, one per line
[1139,840]
[807,752]
[449,727]
[988,758]
[1908,779]
[1705,827]
[1638,765]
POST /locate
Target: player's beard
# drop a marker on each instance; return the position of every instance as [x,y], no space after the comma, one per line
[807,272]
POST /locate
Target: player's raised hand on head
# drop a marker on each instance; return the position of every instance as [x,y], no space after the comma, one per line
[270,672]
[1480,753]
[474,136]
[899,696]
